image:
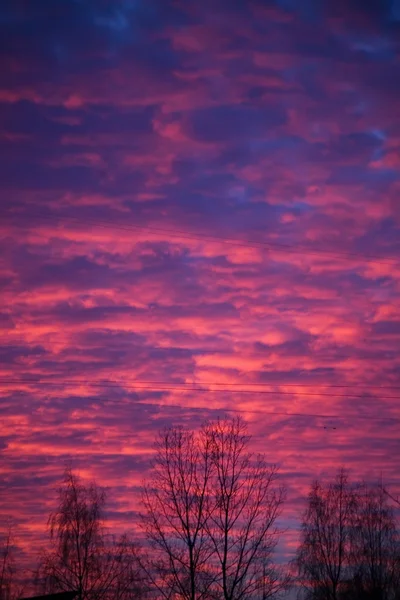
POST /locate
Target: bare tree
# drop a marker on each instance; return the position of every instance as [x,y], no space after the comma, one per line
[242,521]
[323,557]
[82,556]
[210,512]
[393,498]
[375,548]
[7,565]
[175,502]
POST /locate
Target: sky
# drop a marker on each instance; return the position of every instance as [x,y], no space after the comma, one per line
[200,216]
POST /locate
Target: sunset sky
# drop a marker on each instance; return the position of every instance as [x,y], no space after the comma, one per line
[200,216]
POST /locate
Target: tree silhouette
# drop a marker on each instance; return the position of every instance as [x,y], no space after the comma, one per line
[210,512]
[324,555]
[82,556]
[244,508]
[7,565]
[175,501]
[375,546]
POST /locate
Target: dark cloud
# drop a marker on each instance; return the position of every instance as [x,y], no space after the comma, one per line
[229,123]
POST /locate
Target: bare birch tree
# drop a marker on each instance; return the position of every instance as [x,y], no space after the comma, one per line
[323,558]
[242,522]
[175,503]
[393,498]
[375,547]
[82,557]
[7,564]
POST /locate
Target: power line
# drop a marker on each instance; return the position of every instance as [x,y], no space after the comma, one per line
[202,237]
[114,382]
[261,411]
[278,413]
[161,385]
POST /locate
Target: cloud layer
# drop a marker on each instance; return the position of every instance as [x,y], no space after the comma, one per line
[197,198]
